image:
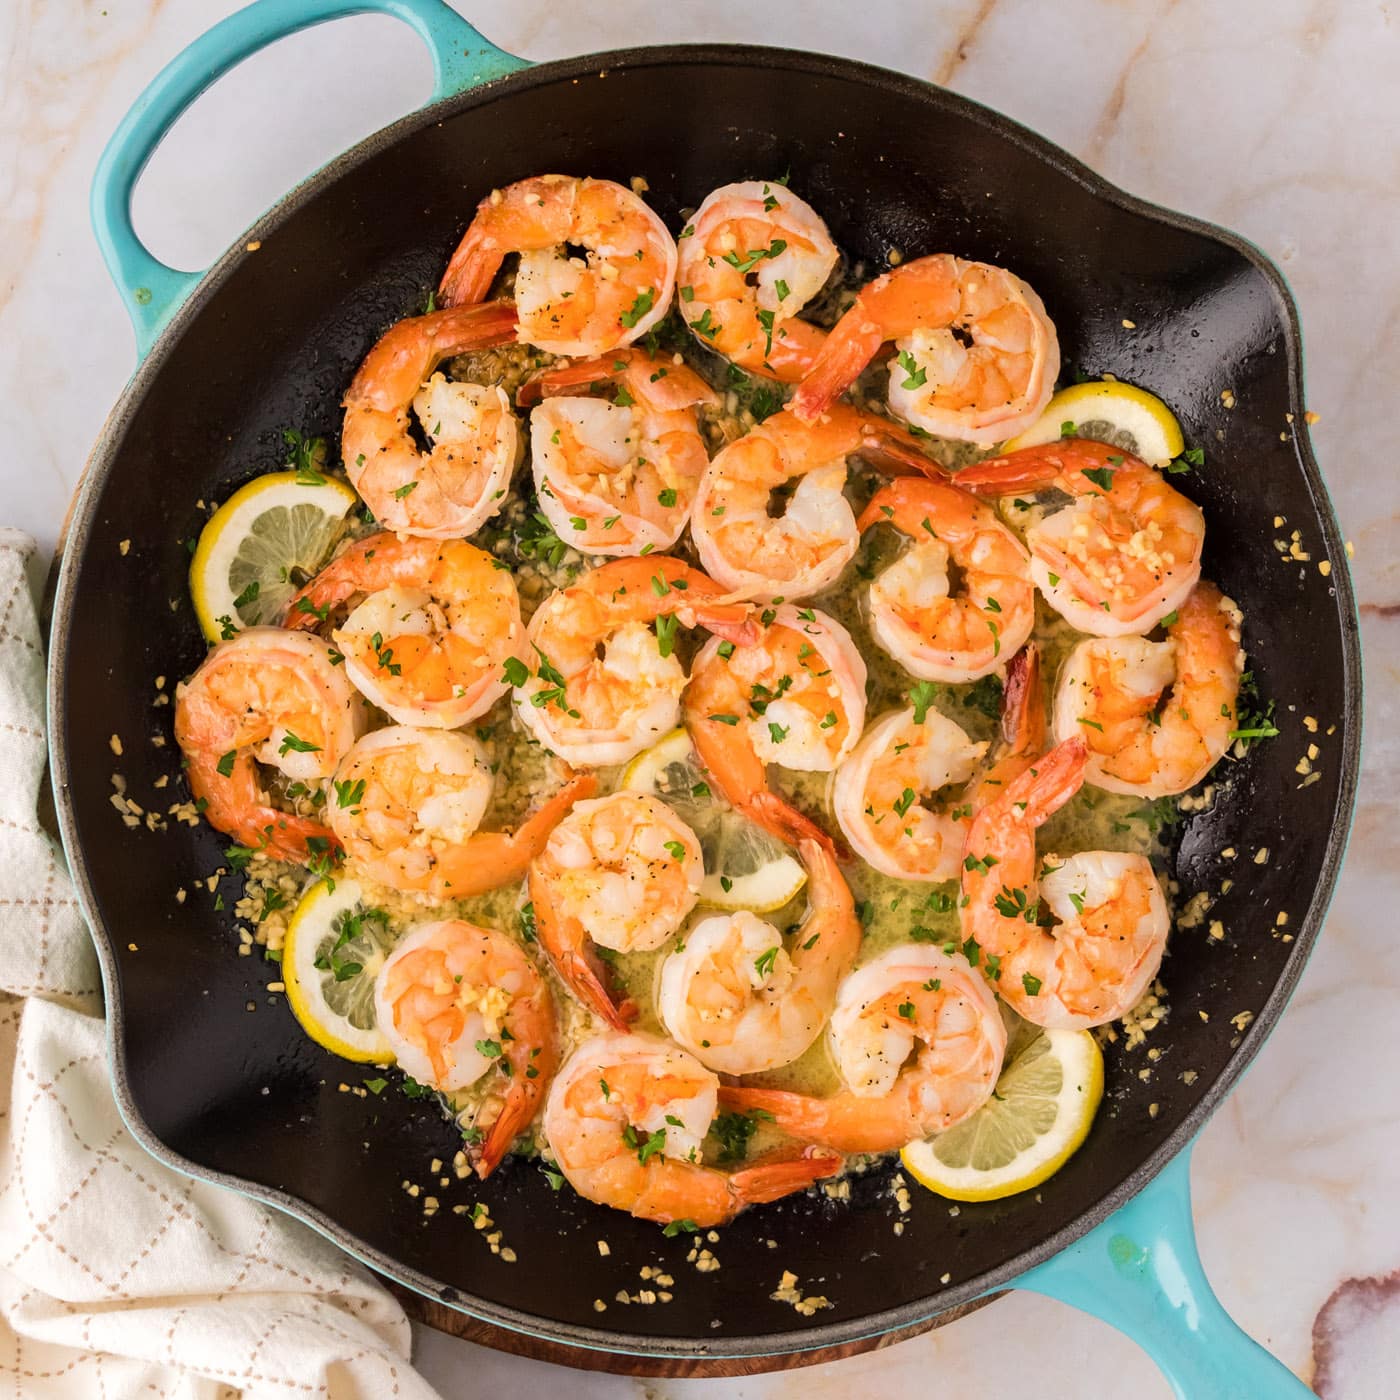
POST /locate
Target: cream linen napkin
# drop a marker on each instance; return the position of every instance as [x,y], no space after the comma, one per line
[118,1277]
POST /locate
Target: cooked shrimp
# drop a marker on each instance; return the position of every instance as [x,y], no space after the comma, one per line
[428,643]
[625,1119]
[752,257]
[618,477]
[272,697]
[796,698]
[1156,716]
[932,632]
[622,871]
[602,686]
[456,1001]
[977,354]
[802,550]
[889,795]
[1123,555]
[919,1041]
[1111,922]
[569,305]
[407,806]
[880,794]
[473,438]
[740,999]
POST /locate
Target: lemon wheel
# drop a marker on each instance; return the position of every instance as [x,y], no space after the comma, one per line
[334,949]
[1042,1110]
[258,548]
[1109,411]
[745,867]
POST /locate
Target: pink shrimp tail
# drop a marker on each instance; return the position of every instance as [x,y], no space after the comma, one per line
[471,269]
[779,818]
[655,379]
[848,349]
[896,451]
[578,378]
[1031,467]
[1039,792]
[798,1115]
[732,621]
[488,860]
[566,944]
[522,1102]
[780,1173]
[1023,703]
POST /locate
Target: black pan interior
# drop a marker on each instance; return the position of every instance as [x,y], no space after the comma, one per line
[213,1071]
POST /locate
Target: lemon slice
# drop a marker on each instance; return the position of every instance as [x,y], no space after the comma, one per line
[261,545]
[1045,1102]
[745,867]
[334,949]
[1113,412]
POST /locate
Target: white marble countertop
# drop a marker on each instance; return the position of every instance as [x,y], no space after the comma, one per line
[1278,118]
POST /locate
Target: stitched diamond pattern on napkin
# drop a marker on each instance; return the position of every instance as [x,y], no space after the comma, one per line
[117,1276]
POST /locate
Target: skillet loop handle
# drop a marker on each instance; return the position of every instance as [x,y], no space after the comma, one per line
[1140,1272]
[153,291]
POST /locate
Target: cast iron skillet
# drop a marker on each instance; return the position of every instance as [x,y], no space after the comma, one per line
[213,1074]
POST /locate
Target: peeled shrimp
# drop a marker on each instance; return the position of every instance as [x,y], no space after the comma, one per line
[1124,554]
[271,697]
[977,353]
[740,998]
[804,549]
[407,805]
[474,444]
[751,258]
[601,685]
[934,633]
[569,305]
[796,698]
[625,1119]
[428,643]
[622,871]
[913,1001]
[455,1002]
[1111,919]
[1156,716]
[880,790]
[885,795]
[618,476]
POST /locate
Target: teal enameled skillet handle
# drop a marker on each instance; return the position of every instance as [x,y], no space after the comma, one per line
[151,290]
[1139,1271]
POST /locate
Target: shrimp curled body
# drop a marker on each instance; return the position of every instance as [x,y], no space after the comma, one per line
[740,999]
[619,476]
[408,806]
[621,872]
[751,258]
[977,353]
[429,640]
[803,549]
[1156,716]
[569,305]
[460,481]
[1123,554]
[937,634]
[265,697]
[919,1042]
[602,685]
[625,1119]
[457,1002]
[1111,916]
